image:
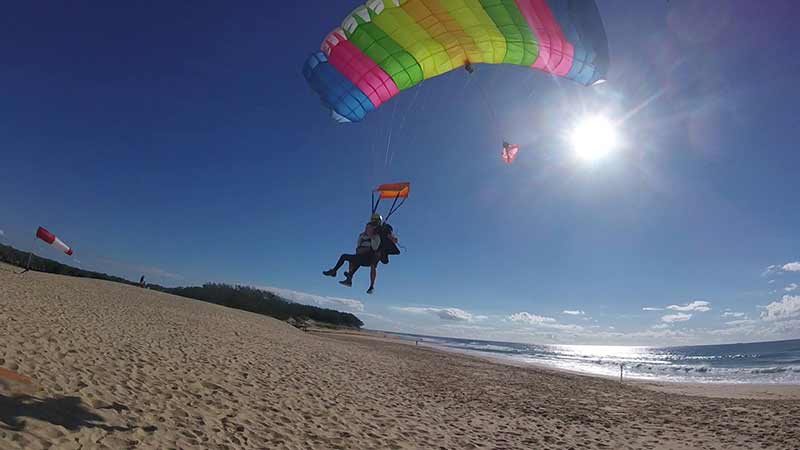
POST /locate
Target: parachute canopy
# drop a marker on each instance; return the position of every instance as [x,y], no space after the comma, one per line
[509,153]
[388,46]
[51,239]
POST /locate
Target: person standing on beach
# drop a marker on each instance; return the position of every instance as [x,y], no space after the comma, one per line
[367,254]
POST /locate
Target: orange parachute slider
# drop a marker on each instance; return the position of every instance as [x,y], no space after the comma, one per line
[394,190]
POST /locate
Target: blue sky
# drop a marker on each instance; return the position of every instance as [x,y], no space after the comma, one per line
[180,141]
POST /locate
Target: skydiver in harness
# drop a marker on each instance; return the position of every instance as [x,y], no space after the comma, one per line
[368,253]
[378,240]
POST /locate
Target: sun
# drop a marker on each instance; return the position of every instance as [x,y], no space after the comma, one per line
[593,138]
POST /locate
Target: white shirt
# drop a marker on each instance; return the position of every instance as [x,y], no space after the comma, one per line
[365,241]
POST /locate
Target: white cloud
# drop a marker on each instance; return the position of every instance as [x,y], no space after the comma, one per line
[787,308]
[348,303]
[564,327]
[532,319]
[156,272]
[2,233]
[150,271]
[451,314]
[740,322]
[373,316]
[313,299]
[454,314]
[782,329]
[652,308]
[791,287]
[791,267]
[770,281]
[778,269]
[697,306]
[536,329]
[543,322]
[679,317]
[733,314]
[573,312]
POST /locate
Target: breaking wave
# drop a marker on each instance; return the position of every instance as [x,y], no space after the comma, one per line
[763,362]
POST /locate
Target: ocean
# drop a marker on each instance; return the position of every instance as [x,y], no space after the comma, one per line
[760,362]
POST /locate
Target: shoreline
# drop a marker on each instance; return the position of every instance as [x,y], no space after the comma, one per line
[756,391]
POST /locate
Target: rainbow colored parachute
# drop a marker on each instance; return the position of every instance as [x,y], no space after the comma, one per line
[388,46]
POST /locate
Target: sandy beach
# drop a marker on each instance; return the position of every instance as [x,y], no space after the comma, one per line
[114,366]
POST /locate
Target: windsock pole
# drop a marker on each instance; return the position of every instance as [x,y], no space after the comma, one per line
[30,257]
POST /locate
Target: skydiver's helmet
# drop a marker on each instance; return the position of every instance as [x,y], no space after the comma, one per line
[376,219]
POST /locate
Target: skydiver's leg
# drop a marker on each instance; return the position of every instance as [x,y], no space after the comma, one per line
[373,274]
[353,267]
[342,259]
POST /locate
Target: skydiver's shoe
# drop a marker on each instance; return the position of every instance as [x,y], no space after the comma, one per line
[347,283]
[329,273]
[370,290]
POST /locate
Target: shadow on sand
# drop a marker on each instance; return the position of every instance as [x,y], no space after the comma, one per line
[69,412]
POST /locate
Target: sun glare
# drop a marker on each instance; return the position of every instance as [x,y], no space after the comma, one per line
[593,138]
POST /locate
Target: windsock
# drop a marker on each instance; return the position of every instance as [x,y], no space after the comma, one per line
[51,239]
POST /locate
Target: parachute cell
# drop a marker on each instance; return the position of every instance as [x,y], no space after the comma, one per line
[388,46]
[347,102]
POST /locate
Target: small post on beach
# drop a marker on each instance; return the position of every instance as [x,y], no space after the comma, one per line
[621,365]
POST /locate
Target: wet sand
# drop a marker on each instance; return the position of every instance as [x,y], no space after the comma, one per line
[115,366]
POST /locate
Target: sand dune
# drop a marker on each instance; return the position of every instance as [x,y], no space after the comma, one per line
[119,367]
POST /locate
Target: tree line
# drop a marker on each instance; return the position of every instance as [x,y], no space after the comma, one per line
[240,297]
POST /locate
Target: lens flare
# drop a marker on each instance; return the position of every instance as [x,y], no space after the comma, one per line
[594,138]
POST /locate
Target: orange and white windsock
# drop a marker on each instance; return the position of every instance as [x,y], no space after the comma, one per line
[51,239]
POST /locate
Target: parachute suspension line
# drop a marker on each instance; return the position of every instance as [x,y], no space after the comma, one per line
[395,206]
[405,116]
[421,109]
[411,105]
[531,83]
[376,141]
[466,85]
[392,209]
[492,112]
[389,136]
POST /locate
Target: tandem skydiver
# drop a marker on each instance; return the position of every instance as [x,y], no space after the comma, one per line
[368,254]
